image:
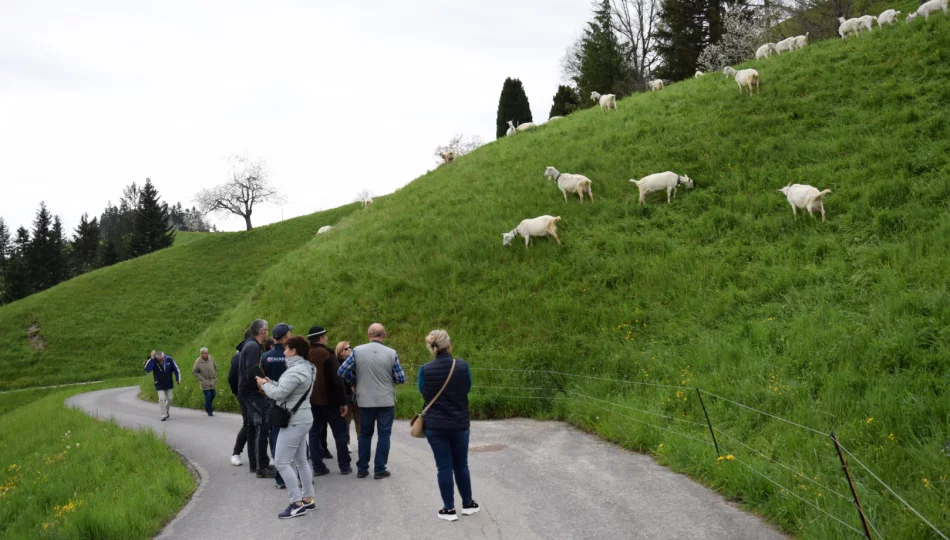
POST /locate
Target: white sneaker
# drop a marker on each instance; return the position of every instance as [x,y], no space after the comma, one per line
[236,460]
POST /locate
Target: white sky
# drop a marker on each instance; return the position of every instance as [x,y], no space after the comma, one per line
[336,98]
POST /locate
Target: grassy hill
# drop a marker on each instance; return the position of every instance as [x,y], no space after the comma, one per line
[841,325]
[102,324]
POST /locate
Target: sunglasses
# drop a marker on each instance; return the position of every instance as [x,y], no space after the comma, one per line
[346,348]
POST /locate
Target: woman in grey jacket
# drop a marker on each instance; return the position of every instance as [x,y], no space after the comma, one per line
[291,451]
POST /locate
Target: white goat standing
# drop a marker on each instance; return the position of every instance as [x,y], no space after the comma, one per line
[805,197]
[366,201]
[656,84]
[447,157]
[786,45]
[929,8]
[848,27]
[511,128]
[747,78]
[571,183]
[698,74]
[867,22]
[607,101]
[325,229]
[801,41]
[539,226]
[664,181]
[887,17]
[765,51]
[728,71]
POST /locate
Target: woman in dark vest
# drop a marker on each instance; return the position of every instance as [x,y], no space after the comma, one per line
[447,422]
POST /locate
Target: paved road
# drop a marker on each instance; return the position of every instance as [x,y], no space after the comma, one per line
[533,479]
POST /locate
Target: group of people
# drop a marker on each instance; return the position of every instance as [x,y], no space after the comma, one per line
[274,372]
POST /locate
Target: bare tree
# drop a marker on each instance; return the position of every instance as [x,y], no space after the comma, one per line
[571,62]
[457,147]
[635,22]
[247,186]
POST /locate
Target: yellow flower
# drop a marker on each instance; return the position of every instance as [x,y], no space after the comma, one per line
[720,458]
[730,457]
[892,437]
[926,482]
[870,419]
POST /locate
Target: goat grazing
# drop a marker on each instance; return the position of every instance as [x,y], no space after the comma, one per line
[607,101]
[366,201]
[929,8]
[805,197]
[866,22]
[747,78]
[698,74]
[511,128]
[664,181]
[801,41]
[786,45]
[447,157]
[526,126]
[539,226]
[765,51]
[571,183]
[555,118]
[728,71]
[325,229]
[888,17]
[656,84]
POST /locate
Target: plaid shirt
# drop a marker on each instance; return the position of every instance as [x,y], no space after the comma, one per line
[348,371]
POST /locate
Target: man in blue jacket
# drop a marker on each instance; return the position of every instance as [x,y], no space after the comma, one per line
[163,369]
[274,364]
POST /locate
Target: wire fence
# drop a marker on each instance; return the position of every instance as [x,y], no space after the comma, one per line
[709,439]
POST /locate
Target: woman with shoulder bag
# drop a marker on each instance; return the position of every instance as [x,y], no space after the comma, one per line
[444,383]
[289,393]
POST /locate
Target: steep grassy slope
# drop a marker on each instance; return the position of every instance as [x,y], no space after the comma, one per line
[839,325]
[100,325]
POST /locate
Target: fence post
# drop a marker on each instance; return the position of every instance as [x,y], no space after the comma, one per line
[561,388]
[854,492]
[708,422]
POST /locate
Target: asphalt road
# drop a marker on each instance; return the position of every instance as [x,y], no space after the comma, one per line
[532,479]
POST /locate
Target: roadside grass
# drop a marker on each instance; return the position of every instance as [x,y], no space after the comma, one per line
[841,325]
[66,475]
[103,324]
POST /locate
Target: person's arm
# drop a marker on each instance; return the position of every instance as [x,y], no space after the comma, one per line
[282,388]
[149,365]
[347,370]
[420,381]
[175,369]
[399,376]
[194,369]
[251,357]
[214,367]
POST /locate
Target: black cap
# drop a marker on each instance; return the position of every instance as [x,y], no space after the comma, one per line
[280,330]
[316,331]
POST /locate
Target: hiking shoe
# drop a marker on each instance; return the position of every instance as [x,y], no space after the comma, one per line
[267,472]
[164,418]
[362,474]
[346,470]
[384,474]
[448,515]
[312,505]
[236,460]
[292,511]
[469,509]
[327,454]
[324,472]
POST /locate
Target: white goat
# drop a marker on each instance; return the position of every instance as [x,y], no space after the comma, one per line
[511,128]
[366,201]
[607,101]
[867,22]
[539,226]
[571,183]
[786,45]
[765,51]
[325,229]
[801,41]
[888,17]
[848,27]
[555,118]
[698,74]
[747,78]
[667,181]
[656,84]
[728,71]
[805,197]
[911,16]
[526,126]
[929,8]
[447,157]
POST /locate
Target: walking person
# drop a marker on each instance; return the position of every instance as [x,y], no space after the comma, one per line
[241,439]
[274,363]
[165,372]
[294,387]
[374,368]
[249,368]
[328,403]
[352,409]
[206,370]
[444,384]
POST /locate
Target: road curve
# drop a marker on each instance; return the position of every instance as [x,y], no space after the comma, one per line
[534,480]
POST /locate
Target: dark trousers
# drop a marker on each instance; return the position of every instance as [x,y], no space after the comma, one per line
[370,417]
[242,435]
[259,430]
[323,416]
[209,397]
[450,449]
[274,430]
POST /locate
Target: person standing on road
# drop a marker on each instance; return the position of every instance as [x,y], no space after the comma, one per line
[249,367]
[447,421]
[274,363]
[328,403]
[163,369]
[294,387]
[352,409]
[374,368]
[241,439]
[206,370]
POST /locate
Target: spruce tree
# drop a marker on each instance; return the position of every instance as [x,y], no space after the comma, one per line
[5,246]
[45,251]
[110,255]
[17,279]
[85,253]
[681,35]
[512,105]
[602,67]
[152,229]
[566,101]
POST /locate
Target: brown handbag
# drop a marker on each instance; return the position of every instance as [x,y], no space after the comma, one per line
[417,424]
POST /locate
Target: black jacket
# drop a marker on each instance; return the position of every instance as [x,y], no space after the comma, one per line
[450,411]
[249,367]
[233,374]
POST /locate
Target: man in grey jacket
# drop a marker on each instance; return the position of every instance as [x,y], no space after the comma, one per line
[374,369]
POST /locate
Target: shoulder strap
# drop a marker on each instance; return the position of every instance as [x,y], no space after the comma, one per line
[305,396]
[446,383]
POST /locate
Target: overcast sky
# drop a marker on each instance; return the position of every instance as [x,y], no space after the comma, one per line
[336,98]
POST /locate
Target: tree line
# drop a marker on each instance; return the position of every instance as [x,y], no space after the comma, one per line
[35,259]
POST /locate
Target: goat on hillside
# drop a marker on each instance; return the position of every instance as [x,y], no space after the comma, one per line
[607,101]
[571,183]
[805,197]
[664,181]
[888,17]
[539,226]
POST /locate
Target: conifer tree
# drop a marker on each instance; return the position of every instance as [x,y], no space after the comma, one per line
[566,101]
[601,64]
[680,37]
[152,229]
[44,254]
[85,253]
[110,255]
[512,105]
[17,282]
[5,246]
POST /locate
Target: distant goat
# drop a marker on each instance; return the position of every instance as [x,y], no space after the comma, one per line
[555,118]
[526,126]
[888,17]
[366,201]
[801,41]
[746,78]
[539,226]
[607,101]
[511,128]
[698,74]
[765,51]
[805,197]
[867,22]
[848,27]
[571,183]
[786,45]
[655,85]
[664,181]
[325,229]
[929,8]
[447,157]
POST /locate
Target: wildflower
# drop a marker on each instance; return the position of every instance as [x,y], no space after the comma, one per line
[892,437]
[770,318]
[870,419]
[720,458]
[926,482]
[819,494]
[77,445]
[730,457]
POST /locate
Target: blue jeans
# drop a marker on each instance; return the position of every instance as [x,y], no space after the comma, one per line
[369,417]
[450,449]
[209,397]
[323,416]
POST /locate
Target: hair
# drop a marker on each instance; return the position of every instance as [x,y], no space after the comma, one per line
[247,332]
[438,341]
[257,326]
[269,344]
[340,346]
[376,330]
[160,354]
[203,349]
[300,345]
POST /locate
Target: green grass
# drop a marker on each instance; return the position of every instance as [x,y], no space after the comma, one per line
[842,325]
[791,27]
[71,479]
[103,324]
